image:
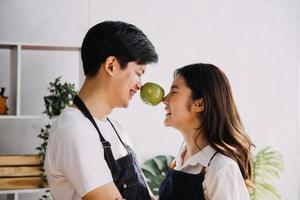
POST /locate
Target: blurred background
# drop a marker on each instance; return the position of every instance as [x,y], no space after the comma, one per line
[256,43]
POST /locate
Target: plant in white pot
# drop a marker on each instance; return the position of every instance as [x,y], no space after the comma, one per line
[60,96]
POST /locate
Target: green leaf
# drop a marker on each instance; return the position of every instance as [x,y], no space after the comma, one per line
[155,171]
[267,166]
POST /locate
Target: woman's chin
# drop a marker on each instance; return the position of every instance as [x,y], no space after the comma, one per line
[167,122]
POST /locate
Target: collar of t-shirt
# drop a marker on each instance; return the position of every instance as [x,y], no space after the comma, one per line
[197,161]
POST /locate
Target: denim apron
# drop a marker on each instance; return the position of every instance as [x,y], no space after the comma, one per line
[126,173]
[180,185]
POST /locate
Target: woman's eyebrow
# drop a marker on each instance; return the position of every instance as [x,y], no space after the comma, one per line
[174,87]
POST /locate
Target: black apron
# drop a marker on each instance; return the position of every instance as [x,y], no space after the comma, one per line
[180,185]
[126,173]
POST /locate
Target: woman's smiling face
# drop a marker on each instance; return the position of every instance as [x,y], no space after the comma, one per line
[179,105]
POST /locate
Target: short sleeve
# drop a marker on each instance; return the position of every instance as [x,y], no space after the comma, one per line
[226,184]
[79,156]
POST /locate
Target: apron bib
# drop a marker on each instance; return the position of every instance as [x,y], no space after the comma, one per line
[180,185]
[126,173]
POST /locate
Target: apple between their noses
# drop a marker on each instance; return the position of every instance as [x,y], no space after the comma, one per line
[152,93]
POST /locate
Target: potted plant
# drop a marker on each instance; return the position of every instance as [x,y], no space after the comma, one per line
[60,96]
[267,165]
[155,171]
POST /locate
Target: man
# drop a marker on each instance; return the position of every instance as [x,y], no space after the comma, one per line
[88,155]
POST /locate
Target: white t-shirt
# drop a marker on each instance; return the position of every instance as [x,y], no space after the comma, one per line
[75,163]
[223,178]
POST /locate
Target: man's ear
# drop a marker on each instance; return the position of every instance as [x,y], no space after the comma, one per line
[110,65]
[198,105]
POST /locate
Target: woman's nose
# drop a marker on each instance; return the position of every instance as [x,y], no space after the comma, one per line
[165,99]
[139,85]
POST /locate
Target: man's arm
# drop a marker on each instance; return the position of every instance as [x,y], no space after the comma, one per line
[108,191]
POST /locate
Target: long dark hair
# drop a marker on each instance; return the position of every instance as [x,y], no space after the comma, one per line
[220,122]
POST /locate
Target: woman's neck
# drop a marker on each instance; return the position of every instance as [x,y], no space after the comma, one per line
[195,142]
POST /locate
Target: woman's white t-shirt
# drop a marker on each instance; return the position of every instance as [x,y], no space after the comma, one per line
[75,163]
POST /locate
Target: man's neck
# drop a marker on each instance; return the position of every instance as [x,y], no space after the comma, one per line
[95,98]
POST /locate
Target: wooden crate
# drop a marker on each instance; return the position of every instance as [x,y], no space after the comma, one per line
[21,183]
[17,160]
[20,172]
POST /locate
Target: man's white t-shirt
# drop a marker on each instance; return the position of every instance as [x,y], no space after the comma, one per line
[75,163]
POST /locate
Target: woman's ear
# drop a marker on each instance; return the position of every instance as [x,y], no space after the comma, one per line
[110,65]
[198,105]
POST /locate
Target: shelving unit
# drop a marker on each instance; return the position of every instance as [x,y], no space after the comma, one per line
[25,71]
[12,61]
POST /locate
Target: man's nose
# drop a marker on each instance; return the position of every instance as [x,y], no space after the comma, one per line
[165,99]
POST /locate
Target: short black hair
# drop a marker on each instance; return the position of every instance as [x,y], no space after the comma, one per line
[115,38]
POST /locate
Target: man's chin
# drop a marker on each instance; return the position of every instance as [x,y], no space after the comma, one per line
[125,104]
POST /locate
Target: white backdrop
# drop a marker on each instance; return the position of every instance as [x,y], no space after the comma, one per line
[256,43]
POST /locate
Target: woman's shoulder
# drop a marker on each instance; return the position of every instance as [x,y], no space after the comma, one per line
[222,177]
[221,162]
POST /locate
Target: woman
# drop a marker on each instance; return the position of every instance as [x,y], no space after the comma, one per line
[215,162]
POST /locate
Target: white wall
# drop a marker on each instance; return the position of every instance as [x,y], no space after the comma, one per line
[256,43]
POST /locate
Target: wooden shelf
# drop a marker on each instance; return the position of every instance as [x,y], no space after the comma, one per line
[7,46]
[20,117]
[15,194]
[23,191]
[40,46]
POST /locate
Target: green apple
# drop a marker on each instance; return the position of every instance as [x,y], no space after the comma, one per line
[152,94]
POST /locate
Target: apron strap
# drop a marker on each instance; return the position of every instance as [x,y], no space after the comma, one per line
[212,157]
[124,144]
[81,106]
[204,168]
[108,155]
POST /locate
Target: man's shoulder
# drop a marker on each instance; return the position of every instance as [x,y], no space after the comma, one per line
[70,116]
[71,120]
